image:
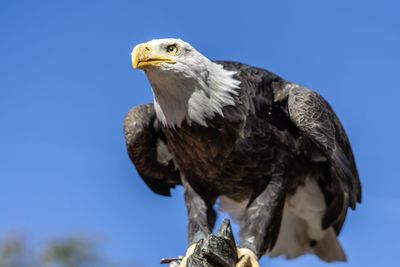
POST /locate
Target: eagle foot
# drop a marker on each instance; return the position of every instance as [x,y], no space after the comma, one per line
[217,250]
[246,258]
[189,252]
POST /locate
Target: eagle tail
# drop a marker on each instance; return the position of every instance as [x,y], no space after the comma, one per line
[301,230]
[329,249]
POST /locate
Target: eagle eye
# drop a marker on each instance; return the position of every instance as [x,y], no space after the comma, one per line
[172,49]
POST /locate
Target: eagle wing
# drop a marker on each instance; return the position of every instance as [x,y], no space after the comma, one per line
[147,150]
[317,121]
[310,119]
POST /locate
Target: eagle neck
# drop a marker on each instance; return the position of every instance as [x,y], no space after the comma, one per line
[192,96]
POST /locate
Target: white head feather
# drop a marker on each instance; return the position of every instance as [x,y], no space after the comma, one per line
[192,89]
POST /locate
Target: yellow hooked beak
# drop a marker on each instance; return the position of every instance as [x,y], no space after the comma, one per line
[143,56]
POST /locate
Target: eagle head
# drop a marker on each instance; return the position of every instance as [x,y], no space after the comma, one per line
[167,55]
[187,86]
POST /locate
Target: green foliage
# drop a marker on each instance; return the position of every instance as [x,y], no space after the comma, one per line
[69,252]
[72,252]
[14,253]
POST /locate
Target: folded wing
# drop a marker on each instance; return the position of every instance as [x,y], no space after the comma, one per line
[148,151]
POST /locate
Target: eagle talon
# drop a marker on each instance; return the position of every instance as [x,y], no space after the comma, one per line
[246,258]
[189,252]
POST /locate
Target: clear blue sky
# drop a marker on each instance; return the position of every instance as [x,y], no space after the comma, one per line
[66,83]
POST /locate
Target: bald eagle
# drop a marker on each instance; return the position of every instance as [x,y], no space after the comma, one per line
[272,152]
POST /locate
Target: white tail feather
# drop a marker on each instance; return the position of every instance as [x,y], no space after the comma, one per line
[301,228]
[329,249]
